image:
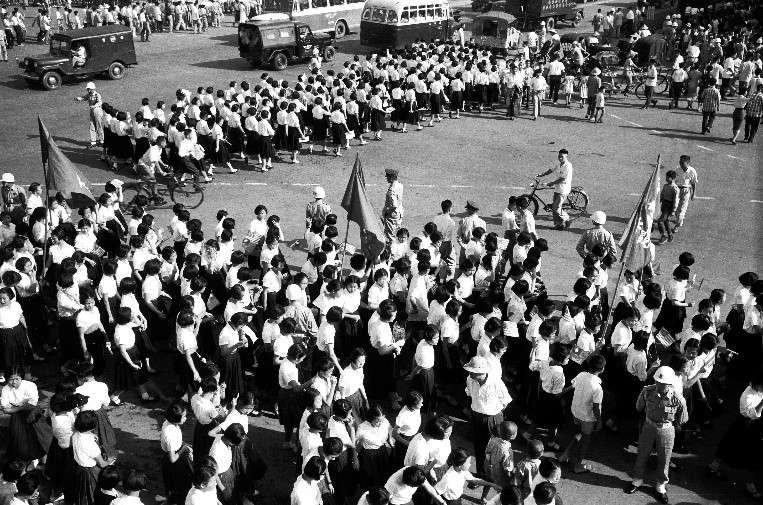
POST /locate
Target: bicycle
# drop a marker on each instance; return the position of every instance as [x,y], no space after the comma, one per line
[190,193]
[575,204]
[662,87]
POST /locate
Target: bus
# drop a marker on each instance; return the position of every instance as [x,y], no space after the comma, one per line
[339,17]
[398,23]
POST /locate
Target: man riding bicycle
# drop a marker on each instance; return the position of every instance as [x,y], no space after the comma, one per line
[562,185]
[151,164]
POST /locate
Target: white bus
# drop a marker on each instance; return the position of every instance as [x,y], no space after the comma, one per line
[397,23]
[338,16]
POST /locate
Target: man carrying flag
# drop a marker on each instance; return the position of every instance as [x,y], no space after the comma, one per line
[360,211]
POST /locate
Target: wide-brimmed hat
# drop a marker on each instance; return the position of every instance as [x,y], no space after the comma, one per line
[595,71]
[8,177]
[665,375]
[599,217]
[477,364]
[294,292]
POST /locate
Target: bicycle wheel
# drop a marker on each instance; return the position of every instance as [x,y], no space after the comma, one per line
[191,194]
[130,190]
[533,204]
[639,90]
[576,203]
[663,84]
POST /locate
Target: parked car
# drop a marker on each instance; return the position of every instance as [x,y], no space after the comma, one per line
[82,53]
[278,43]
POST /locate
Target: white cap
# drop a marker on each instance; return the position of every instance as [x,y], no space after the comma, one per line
[116,182]
[319,192]
[543,23]
[90,85]
[599,217]
[477,364]
[665,375]
[8,177]
[294,292]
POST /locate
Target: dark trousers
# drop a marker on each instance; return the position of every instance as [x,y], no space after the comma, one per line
[751,127]
[648,92]
[676,89]
[725,87]
[707,121]
[554,83]
[484,427]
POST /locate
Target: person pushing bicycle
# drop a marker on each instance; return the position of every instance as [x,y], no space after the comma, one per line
[562,185]
[151,164]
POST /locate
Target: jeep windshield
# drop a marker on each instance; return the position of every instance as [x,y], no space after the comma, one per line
[60,47]
[285,6]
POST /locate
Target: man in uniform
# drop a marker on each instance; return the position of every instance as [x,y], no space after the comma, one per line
[562,186]
[13,197]
[597,235]
[686,181]
[664,409]
[392,215]
[317,209]
[94,103]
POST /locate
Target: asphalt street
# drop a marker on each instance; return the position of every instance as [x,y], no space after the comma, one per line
[481,157]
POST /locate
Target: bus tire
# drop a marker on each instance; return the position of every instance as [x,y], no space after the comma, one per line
[280,61]
[550,23]
[328,53]
[341,30]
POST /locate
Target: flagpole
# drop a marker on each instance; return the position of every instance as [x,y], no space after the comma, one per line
[47,217]
[344,248]
[622,259]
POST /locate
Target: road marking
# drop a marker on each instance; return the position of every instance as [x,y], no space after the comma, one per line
[705,148]
[634,194]
[629,122]
[422,185]
[616,117]
[97,183]
[512,187]
[705,197]
[734,157]
[655,131]
[460,186]
[224,183]
[256,183]
[756,201]
[302,184]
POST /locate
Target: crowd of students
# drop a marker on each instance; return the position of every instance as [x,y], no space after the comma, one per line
[366,369]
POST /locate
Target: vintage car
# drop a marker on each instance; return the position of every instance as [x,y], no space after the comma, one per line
[530,13]
[493,30]
[277,43]
[80,54]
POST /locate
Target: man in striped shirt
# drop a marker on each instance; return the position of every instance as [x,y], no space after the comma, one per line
[754,112]
[711,102]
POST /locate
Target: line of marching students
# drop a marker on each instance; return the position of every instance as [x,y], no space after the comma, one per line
[260,122]
[366,370]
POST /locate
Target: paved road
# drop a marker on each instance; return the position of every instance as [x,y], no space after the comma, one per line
[486,158]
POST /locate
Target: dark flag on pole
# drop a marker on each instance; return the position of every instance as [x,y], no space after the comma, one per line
[360,211]
[636,241]
[60,173]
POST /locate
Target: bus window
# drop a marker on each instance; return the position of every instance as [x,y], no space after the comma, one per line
[422,13]
[379,15]
[366,14]
[337,2]
[414,15]
[270,35]
[404,15]
[438,12]
[320,3]
[430,11]
[490,28]
[392,17]
[304,5]
[284,34]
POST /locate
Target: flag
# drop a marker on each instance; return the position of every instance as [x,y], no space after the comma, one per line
[636,241]
[60,173]
[360,211]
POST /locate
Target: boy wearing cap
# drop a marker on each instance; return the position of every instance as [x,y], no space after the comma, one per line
[664,409]
[489,397]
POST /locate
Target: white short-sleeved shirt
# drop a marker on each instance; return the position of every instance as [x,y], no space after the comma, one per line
[449,330]
[588,391]
[350,381]
[326,335]
[281,345]
[377,294]
[10,315]
[88,320]
[408,421]
[748,401]
[203,409]
[107,287]
[399,492]
[85,448]
[228,336]
[584,346]
[424,356]
[233,417]
[338,429]
[124,335]
[152,288]
[97,394]
[186,339]
[171,437]
[305,493]
[286,373]
[222,455]
[451,486]
[418,452]
[621,336]
[63,428]
[380,335]
[206,496]
[373,437]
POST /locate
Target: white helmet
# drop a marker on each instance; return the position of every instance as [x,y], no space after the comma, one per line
[319,192]
[665,375]
[8,177]
[599,217]
[90,85]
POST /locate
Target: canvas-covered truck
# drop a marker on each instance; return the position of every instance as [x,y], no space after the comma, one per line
[530,13]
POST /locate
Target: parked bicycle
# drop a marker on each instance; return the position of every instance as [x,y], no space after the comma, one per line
[189,193]
[575,204]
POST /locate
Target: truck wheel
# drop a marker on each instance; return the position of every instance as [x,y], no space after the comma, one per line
[340,30]
[116,71]
[51,80]
[280,61]
[328,53]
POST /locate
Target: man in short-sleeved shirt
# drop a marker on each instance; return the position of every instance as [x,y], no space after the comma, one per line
[562,185]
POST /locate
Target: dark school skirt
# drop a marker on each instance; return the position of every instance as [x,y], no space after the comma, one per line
[424,383]
[375,465]
[252,143]
[141,146]
[740,447]
[398,114]
[292,140]
[412,109]
[235,140]
[205,141]
[221,156]
[353,124]
[95,344]
[378,122]
[736,119]
[184,372]
[279,141]
[123,148]
[435,103]
[267,150]
[398,453]
[68,339]
[339,133]
[232,375]
[113,303]
[548,413]
[380,376]
[289,408]
[14,349]
[671,317]
[105,431]
[108,141]
[29,435]
[84,484]
[248,466]
[456,100]
[177,475]
[226,489]
[126,376]
[319,129]
[58,468]
[34,314]
[358,405]
[202,442]
[343,476]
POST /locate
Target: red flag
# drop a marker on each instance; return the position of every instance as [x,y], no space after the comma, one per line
[61,175]
[636,241]
[360,211]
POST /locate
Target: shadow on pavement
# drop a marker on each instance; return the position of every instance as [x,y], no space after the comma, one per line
[17,83]
[227,40]
[227,64]
[690,134]
[350,47]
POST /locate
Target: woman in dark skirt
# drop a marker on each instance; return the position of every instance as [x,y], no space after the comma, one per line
[411,107]
[29,435]
[91,332]
[60,461]
[222,450]
[293,132]
[207,412]
[251,129]
[140,131]
[673,311]
[398,105]
[267,152]
[423,375]
[344,469]
[353,118]
[320,116]
[350,385]
[548,413]
[378,122]
[339,128]
[374,443]
[381,357]
[14,344]
[88,459]
[289,405]
[123,149]
[97,394]
[235,133]
[230,340]
[177,463]
[128,369]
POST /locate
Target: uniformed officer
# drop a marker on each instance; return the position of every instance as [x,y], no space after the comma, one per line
[664,409]
[13,197]
[597,235]
[317,209]
[392,215]
[94,103]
